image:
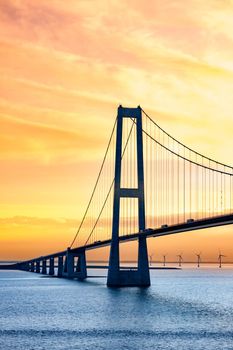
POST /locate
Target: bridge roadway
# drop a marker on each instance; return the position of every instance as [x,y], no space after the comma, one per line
[158,232]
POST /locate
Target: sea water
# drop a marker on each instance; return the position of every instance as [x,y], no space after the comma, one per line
[183,309]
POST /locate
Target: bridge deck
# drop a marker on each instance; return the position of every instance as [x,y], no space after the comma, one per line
[163,231]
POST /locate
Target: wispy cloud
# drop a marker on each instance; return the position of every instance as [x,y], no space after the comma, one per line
[30,139]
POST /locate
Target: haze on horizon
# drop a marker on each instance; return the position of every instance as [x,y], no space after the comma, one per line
[66,68]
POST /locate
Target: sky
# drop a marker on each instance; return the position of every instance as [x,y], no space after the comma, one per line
[64,69]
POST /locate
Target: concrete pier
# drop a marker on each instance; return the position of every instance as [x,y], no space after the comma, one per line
[51,266]
[60,266]
[38,266]
[26,266]
[70,270]
[139,277]
[32,266]
[44,267]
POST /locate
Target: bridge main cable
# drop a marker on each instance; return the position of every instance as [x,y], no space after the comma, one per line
[183,145]
[111,186]
[96,183]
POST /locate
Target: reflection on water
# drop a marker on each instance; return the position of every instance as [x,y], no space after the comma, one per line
[183,309]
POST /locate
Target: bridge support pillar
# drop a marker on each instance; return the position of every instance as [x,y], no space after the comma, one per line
[24,266]
[140,276]
[51,266]
[32,266]
[60,266]
[143,263]
[70,270]
[44,267]
[38,266]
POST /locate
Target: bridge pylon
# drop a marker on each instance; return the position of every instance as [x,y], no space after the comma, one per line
[140,276]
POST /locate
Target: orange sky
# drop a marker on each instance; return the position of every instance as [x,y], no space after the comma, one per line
[64,69]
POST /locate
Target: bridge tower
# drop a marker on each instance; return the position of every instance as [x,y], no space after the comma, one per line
[140,276]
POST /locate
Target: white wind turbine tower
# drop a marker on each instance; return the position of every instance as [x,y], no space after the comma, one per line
[180,258]
[198,259]
[220,256]
[150,258]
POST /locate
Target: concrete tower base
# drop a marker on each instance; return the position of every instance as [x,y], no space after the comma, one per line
[139,277]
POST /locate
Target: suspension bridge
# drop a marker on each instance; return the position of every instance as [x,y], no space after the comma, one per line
[149,185]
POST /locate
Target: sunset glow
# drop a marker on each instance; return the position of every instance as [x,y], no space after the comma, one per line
[64,69]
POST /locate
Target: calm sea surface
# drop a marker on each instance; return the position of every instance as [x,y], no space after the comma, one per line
[183,309]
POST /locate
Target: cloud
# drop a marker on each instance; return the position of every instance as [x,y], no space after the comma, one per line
[21,139]
[38,221]
[35,21]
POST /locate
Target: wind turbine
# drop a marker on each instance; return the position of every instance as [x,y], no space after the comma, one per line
[164,260]
[180,258]
[198,259]
[220,256]
[150,258]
